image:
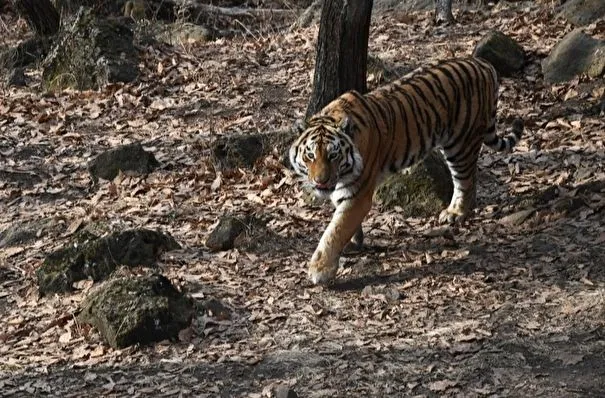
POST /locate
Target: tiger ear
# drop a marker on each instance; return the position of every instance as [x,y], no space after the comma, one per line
[346,126]
[299,126]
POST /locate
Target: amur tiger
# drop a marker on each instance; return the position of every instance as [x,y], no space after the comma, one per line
[348,147]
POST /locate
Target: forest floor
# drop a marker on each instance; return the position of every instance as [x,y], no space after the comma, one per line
[509,304]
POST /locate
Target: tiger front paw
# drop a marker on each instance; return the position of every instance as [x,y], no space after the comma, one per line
[322,272]
[452,216]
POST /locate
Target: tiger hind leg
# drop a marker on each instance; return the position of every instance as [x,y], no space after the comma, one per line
[463,168]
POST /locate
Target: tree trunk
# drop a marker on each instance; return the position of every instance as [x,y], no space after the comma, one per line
[342,51]
[41,16]
[443,12]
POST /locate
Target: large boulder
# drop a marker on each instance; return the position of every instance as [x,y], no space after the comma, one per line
[91,53]
[94,257]
[577,53]
[583,12]
[505,54]
[137,310]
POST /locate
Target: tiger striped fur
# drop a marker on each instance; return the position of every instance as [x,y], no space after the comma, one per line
[348,147]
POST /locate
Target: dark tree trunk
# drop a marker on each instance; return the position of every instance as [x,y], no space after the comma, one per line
[41,16]
[342,51]
[443,12]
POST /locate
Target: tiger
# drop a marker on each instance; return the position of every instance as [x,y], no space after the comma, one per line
[346,149]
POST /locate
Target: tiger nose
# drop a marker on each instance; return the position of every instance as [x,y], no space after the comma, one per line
[322,179]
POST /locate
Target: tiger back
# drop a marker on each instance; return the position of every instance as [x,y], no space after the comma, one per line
[347,148]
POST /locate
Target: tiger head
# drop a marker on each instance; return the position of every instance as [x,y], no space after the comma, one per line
[325,154]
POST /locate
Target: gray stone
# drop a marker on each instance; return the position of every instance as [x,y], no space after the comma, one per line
[137,310]
[576,54]
[505,54]
[238,151]
[130,159]
[583,12]
[226,232]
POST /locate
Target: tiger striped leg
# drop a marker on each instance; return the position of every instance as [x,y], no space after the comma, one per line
[345,223]
[463,168]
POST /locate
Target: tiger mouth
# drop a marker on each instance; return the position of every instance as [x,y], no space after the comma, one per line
[324,187]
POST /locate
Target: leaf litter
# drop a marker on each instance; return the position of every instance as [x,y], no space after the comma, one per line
[512,303]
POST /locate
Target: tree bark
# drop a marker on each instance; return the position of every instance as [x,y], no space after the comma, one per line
[443,12]
[41,16]
[342,51]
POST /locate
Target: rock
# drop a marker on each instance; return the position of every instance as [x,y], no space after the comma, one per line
[21,233]
[137,310]
[91,256]
[583,12]
[517,218]
[217,309]
[422,191]
[16,78]
[131,158]
[285,392]
[248,233]
[501,51]
[576,54]
[91,53]
[223,236]
[238,151]
[185,33]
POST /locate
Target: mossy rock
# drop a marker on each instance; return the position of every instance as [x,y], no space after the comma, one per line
[91,53]
[137,310]
[421,191]
[130,159]
[88,256]
[505,54]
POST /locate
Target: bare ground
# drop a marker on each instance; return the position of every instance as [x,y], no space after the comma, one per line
[492,308]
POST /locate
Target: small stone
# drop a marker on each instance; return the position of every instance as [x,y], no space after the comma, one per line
[130,159]
[240,151]
[217,309]
[224,235]
[505,54]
